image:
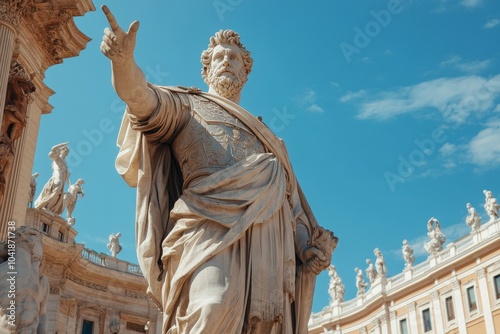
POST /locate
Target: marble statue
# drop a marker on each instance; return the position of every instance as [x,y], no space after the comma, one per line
[380,263]
[436,237]
[336,289]
[114,244]
[407,254]
[32,190]
[370,271]
[473,219]
[52,196]
[75,191]
[490,205]
[215,193]
[31,286]
[360,282]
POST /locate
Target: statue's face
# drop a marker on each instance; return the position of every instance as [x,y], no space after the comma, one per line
[227,73]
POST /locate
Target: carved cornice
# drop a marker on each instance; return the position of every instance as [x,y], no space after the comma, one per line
[88,284]
[13,11]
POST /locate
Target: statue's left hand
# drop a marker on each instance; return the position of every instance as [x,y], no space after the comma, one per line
[314,260]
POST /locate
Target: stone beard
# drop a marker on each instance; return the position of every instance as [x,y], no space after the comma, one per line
[225,86]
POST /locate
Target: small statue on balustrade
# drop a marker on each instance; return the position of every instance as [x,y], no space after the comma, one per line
[436,237]
[491,205]
[114,244]
[360,282]
[407,254]
[473,219]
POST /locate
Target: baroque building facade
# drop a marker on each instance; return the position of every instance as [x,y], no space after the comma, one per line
[454,291]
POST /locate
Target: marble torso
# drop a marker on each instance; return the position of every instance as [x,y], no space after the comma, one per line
[211,140]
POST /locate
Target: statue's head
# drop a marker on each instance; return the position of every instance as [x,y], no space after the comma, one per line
[226,64]
[29,239]
[63,152]
[80,182]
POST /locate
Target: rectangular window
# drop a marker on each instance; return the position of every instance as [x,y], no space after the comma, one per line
[450,311]
[426,318]
[87,327]
[403,326]
[45,228]
[60,236]
[471,298]
[496,281]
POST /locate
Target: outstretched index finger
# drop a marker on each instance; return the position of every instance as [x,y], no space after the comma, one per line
[111,19]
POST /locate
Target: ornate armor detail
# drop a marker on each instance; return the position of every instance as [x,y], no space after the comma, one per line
[224,140]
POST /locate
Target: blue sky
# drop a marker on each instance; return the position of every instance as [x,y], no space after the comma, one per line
[390,111]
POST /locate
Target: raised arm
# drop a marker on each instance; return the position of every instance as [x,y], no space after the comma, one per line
[128,79]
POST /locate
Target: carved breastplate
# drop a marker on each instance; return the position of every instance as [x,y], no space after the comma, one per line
[212,139]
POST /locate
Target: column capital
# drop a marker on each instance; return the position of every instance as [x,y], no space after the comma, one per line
[12,11]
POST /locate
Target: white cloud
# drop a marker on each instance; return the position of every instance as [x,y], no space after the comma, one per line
[491,23]
[387,52]
[468,67]
[447,149]
[484,148]
[455,98]
[314,108]
[352,95]
[471,3]
[308,101]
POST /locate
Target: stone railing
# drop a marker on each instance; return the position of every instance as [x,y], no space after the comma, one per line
[453,250]
[107,261]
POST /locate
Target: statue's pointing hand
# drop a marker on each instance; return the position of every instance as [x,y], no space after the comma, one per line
[117,44]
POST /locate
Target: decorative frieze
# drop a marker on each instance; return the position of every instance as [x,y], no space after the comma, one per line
[88,284]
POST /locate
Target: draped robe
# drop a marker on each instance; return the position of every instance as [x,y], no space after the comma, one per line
[240,219]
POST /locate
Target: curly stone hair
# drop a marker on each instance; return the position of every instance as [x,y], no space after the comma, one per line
[224,37]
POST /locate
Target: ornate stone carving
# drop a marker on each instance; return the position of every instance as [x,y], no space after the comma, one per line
[31,288]
[436,237]
[88,284]
[32,189]
[114,244]
[411,306]
[15,114]
[12,11]
[114,326]
[407,254]
[480,273]
[435,295]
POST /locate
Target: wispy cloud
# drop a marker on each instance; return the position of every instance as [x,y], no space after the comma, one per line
[491,23]
[352,95]
[484,148]
[455,98]
[457,62]
[308,101]
[471,3]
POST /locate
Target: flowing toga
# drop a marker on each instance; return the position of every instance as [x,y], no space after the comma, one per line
[218,206]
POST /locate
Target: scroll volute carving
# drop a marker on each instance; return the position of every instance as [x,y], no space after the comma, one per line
[15,114]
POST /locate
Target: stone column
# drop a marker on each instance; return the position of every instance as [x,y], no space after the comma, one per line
[412,318]
[10,17]
[485,301]
[438,316]
[460,314]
